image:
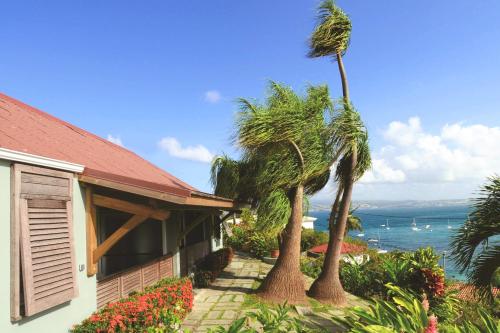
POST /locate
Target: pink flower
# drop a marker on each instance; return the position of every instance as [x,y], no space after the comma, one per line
[432,327]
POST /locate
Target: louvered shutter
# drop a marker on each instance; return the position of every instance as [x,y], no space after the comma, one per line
[47,254]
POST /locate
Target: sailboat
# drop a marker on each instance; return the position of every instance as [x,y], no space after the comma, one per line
[380,250]
[387,225]
[449,226]
[414,226]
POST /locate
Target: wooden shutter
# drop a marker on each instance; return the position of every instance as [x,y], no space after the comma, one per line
[47,254]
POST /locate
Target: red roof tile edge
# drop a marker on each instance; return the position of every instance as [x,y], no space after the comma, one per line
[136,182]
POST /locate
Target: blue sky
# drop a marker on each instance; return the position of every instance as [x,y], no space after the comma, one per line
[140,71]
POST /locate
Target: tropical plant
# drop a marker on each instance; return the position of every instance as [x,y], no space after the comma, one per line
[287,144]
[353,222]
[276,320]
[311,238]
[405,312]
[475,246]
[331,38]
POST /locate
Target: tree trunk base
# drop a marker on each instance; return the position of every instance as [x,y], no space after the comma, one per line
[328,291]
[283,284]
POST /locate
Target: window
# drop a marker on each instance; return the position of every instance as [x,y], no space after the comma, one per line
[139,246]
[42,256]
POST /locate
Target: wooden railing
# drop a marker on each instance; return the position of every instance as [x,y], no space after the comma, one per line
[119,285]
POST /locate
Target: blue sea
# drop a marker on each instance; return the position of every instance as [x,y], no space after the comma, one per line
[393,229]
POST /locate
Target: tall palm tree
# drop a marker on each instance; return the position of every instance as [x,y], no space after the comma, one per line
[331,38]
[288,138]
[354,162]
[475,246]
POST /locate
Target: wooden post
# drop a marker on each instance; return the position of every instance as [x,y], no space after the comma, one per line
[91,227]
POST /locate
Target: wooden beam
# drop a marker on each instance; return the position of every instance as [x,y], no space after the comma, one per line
[133,189]
[193,225]
[91,228]
[133,222]
[209,202]
[129,207]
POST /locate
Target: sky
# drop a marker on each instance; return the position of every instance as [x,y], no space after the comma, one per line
[161,78]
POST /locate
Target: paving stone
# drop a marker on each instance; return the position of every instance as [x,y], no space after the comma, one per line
[213,314]
[229,314]
[212,299]
[239,298]
[196,315]
[226,298]
[215,322]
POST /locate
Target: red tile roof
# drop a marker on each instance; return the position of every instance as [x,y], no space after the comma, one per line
[29,130]
[467,292]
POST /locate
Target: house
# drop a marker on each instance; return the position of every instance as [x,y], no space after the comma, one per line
[86,222]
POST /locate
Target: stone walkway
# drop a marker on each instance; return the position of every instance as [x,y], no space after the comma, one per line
[222,302]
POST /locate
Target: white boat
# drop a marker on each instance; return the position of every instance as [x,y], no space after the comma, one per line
[387,225]
[381,251]
[449,226]
[360,235]
[373,240]
[427,226]
[414,226]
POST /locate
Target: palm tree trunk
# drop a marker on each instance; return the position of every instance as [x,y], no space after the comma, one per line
[285,280]
[343,77]
[327,287]
[333,212]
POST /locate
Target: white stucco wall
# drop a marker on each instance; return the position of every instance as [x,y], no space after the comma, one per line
[61,318]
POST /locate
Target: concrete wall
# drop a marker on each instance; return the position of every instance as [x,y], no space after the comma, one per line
[61,318]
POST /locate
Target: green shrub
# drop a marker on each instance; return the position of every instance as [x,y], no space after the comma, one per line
[247,239]
[405,312]
[311,266]
[209,267]
[311,238]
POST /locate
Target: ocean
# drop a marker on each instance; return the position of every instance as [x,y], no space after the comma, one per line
[393,229]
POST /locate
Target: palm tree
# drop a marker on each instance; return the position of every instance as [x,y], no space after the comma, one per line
[288,139]
[331,38]
[354,162]
[474,247]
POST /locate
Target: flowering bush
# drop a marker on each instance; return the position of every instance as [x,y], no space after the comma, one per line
[434,282]
[160,308]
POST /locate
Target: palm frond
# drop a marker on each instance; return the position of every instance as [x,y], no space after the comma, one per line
[332,34]
[481,228]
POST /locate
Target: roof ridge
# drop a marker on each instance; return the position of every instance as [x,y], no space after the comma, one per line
[23,105]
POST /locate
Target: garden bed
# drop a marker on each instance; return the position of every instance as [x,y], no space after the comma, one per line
[160,308]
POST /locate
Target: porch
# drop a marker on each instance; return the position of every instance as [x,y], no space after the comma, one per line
[134,241]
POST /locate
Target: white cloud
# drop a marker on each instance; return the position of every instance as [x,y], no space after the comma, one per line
[115,139]
[212,96]
[413,163]
[459,153]
[381,172]
[194,153]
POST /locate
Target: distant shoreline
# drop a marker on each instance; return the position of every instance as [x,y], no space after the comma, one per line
[390,204]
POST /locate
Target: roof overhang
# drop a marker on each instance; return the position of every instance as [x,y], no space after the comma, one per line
[194,198]
[17,156]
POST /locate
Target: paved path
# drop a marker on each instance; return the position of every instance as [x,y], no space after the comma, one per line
[222,302]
